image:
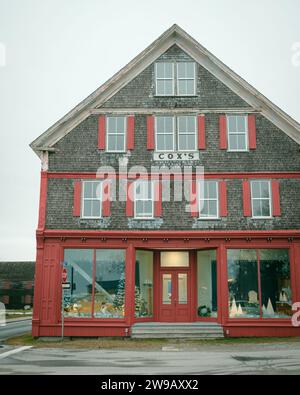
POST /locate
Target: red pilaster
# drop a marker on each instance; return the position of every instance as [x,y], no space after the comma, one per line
[130,284]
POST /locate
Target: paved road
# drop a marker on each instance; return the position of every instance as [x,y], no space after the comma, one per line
[283,358]
[14,328]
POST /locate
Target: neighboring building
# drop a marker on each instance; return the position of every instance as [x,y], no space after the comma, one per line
[16,284]
[227,254]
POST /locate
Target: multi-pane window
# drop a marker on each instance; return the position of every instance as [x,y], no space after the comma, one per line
[237,126]
[186,126]
[176,134]
[165,130]
[261,199]
[116,134]
[91,199]
[186,79]
[175,79]
[144,199]
[208,199]
[164,79]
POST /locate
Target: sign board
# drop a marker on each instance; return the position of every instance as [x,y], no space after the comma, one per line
[66,285]
[64,275]
[66,297]
[176,156]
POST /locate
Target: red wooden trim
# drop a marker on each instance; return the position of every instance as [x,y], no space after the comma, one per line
[247,199]
[223,132]
[158,199]
[150,133]
[106,196]
[194,199]
[130,285]
[201,132]
[102,132]
[195,234]
[276,198]
[252,131]
[77,199]
[43,201]
[233,175]
[130,132]
[223,198]
[129,200]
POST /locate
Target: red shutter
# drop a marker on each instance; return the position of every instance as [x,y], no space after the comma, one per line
[247,199]
[129,200]
[77,199]
[223,198]
[130,132]
[106,199]
[201,132]
[150,133]
[102,132]
[276,198]
[158,199]
[194,199]
[252,131]
[223,132]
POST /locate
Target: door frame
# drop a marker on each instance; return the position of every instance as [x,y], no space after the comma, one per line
[183,269]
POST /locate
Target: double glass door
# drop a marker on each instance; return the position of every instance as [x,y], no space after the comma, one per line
[175,295]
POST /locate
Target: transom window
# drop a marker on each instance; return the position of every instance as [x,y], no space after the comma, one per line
[175,81]
[144,199]
[208,199]
[116,134]
[261,199]
[237,126]
[176,133]
[91,200]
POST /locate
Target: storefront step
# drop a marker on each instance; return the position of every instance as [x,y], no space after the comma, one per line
[177,330]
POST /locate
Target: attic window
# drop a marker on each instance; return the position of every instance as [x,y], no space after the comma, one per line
[175,79]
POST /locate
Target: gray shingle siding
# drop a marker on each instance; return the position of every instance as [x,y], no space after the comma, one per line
[77,152]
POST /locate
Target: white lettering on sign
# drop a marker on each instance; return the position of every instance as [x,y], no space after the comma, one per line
[176,156]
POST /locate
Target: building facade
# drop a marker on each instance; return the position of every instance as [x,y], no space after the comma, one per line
[171,194]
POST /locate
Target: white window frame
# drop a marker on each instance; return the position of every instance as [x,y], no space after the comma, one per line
[200,185]
[83,199]
[136,200]
[229,133]
[174,132]
[177,132]
[165,79]
[185,79]
[116,134]
[269,199]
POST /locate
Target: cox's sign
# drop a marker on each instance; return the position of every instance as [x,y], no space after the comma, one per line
[176,156]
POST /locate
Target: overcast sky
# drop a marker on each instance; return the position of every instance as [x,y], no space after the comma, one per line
[53,53]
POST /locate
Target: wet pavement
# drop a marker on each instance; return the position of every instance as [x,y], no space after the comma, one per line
[261,359]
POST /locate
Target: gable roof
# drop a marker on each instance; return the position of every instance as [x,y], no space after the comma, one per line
[173,36]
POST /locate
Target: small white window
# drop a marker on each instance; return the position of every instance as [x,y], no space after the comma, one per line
[116,134]
[186,79]
[91,199]
[237,126]
[165,131]
[164,73]
[261,199]
[186,126]
[208,192]
[144,199]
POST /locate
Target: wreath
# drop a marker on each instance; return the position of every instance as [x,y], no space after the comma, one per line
[204,311]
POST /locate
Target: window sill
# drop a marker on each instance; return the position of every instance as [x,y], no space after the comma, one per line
[176,96]
[262,218]
[209,219]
